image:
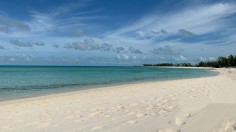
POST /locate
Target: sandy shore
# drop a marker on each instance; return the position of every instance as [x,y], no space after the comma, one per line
[190,105]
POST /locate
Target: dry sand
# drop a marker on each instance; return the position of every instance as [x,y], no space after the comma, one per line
[190,105]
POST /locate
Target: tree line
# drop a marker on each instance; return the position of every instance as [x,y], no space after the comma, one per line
[229,61]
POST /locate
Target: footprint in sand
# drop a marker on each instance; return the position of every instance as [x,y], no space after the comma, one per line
[93,114]
[114,119]
[162,112]
[112,109]
[131,113]
[131,122]
[139,115]
[107,116]
[150,107]
[142,101]
[44,125]
[229,126]
[153,114]
[120,107]
[32,123]
[77,120]
[132,105]
[84,119]
[181,118]
[68,117]
[168,130]
[56,125]
[97,109]
[98,127]
[49,119]
[192,96]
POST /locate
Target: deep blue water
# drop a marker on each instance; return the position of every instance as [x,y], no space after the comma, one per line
[27,81]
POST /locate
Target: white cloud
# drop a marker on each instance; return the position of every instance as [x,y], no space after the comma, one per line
[78,33]
[8,25]
[212,58]
[56,45]
[131,42]
[202,59]
[125,58]
[200,20]
[207,58]
[20,43]
[143,34]
[16,57]
[106,47]
[1,47]
[122,57]
[42,22]
[5,29]
[89,44]
[167,50]
[180,58]
[185,32]
[136,51]
[119,49]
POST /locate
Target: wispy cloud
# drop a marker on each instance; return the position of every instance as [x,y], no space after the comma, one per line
[185,32]
[56,45]
[16,58]
[90,44]
[169,36]
[200,20]
[64,19]
[1,47]
[119,49]
[167,50]
[42,22]
[8,25]
[20,43]
[136,51]
[5,30]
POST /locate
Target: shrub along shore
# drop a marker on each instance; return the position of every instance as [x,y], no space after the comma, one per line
[229,61]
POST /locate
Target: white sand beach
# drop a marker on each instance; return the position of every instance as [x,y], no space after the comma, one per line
[206,104]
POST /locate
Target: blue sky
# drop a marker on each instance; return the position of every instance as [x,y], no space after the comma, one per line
[115,32]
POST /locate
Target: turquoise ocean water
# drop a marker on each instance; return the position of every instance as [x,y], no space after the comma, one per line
[28,81]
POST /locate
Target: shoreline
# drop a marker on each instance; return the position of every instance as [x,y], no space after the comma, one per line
[149,106]
[193,67]
[102,87]
[105,86]
[93,89]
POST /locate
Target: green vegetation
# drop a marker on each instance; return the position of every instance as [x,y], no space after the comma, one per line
[229,61]
[170,64]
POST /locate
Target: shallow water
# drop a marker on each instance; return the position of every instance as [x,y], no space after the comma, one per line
[27,81]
